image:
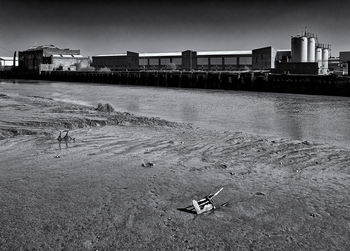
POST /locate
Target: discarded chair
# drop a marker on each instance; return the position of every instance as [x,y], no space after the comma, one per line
[203,205]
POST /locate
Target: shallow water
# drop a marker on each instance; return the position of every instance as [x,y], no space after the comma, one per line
[323,119]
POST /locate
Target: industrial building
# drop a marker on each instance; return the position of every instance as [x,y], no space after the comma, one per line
[344,61]
[7,63]
[50,58]
[308,56]
[117,62]
[186,60]
[266,58]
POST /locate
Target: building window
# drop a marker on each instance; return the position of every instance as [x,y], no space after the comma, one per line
[245,60]
[230,60]
[202,61]
[177,61]
[165,61]
[153,61]
[216,61]
[143,61]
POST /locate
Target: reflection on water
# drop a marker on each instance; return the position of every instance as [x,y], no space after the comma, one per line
[290,112]
[133,104]
[189,113]
[302,117]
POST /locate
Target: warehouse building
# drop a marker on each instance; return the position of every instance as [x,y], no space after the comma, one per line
[117,62]
[267,58]
[160,61]
[224,60]
[186,60]
[50,58]
[344,61]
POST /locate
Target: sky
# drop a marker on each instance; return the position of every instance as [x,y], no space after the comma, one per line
[106,26]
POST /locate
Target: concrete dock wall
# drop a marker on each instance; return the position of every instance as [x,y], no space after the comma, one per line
[249,81]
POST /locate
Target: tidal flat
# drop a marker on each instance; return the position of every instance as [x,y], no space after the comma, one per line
[94,193]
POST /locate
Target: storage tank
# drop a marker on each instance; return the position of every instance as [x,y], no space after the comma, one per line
[311,47]
[325,56]
[318,58]
[299,49]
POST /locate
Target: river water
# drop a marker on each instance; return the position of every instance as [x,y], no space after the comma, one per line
[323,119]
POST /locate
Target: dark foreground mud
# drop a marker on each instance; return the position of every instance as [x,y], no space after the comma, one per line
[94,193]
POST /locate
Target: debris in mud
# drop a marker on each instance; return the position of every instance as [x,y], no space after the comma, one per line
[306,142]
[259,194]
[148,164]
[203,205]
[57,156]
[2,95]
[104,108]
[223,166]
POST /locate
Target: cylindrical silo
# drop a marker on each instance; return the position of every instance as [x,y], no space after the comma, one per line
[318,58]
[304,49]
[299,49]
[311,46]
[325,56]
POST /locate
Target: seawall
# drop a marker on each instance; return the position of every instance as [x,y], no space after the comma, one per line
[247,81]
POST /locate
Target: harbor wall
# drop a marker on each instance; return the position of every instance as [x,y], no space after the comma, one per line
[245,81]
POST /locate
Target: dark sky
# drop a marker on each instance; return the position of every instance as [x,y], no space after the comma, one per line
[99,26]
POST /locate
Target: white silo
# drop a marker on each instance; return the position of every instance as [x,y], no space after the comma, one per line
[311,47]
[304,49]
[299,49]
[318,58]
[325,56]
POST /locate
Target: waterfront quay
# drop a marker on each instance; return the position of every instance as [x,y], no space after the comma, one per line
[247,81]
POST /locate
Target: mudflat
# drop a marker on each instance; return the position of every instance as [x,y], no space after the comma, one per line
[95,194]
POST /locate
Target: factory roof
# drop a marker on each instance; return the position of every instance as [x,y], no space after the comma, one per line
[111,55]
[66,56]
[179,54]
[39,47]
[7,58]
[161,54]
[219,53]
